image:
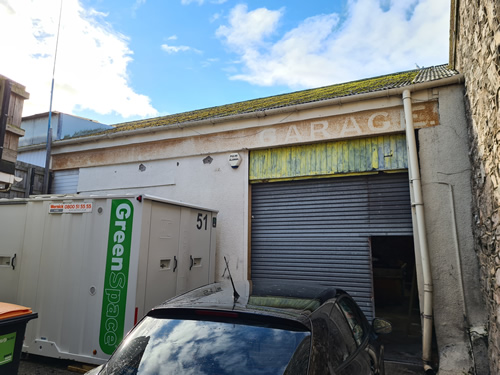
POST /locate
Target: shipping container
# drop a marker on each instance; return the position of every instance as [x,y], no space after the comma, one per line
[91,266]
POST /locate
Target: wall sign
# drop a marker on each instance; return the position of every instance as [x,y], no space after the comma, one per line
[70,208]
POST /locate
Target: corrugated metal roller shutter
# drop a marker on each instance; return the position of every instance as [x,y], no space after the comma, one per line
[319,230]
[65,182]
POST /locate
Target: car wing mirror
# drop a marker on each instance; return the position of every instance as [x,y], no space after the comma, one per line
[381,326]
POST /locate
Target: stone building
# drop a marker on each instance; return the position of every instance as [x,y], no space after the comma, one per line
[475,52]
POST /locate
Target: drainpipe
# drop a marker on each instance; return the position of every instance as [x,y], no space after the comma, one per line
[418,203]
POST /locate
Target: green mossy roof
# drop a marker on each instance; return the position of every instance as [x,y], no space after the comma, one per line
[305,96]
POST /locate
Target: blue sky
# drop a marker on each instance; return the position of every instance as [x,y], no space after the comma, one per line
[123,60]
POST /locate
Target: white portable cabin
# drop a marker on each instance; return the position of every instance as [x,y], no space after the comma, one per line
[91,266]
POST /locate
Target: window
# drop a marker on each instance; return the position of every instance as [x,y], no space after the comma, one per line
[354,318]
[333,341]
[173,346]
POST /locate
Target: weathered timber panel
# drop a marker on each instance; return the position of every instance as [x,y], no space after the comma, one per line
[14,117]
[358,155]
[31,184]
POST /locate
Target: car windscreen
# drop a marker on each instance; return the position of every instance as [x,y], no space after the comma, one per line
[200,347]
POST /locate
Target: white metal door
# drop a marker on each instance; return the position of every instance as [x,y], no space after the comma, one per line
[12,225]
[163,259]
[196,229]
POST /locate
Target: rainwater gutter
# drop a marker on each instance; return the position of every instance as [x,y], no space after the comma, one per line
[453,80]
[418,203]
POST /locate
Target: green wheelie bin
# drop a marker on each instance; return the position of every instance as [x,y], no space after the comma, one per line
[13,320]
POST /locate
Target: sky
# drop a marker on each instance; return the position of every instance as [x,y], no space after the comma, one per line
[115,61]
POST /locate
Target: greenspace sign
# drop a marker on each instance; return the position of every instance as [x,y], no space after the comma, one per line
[7,345]
[116,275]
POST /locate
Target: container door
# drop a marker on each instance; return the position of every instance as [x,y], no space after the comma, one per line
[196,230]
[12,224]
[163,259]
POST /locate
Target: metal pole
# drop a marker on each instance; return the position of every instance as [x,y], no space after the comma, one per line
[49,133]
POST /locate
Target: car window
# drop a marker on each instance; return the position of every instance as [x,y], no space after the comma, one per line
[332,339]
[344,329]
[181,347]
[299,363]
[353,316]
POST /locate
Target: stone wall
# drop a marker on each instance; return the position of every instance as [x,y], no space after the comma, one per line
[477,56]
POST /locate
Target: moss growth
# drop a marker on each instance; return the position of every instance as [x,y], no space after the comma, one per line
[83,133]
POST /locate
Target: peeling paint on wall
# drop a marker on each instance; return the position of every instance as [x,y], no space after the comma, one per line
[355,125]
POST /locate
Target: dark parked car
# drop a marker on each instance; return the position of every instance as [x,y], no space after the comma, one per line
[256,328]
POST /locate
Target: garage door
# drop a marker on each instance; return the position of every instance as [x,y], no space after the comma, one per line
[319,230]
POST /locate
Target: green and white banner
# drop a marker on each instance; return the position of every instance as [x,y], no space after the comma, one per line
[116,275]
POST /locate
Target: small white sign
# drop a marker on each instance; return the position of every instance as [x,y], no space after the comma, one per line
[234,160]
[70,208]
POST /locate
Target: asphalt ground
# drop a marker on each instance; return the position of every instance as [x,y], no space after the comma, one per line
[400,368]
[35,365]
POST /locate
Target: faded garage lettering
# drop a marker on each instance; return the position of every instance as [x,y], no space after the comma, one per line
[324,127]
[361,124]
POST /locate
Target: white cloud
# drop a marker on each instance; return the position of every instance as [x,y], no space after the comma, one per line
[215,17]
[201,2]
[187,2]
[172,37]
[175,49]
[92,59]
[375,38]
[247,30]
[209,62]
[137,5]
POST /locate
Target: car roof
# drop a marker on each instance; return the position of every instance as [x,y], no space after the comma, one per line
[278,298]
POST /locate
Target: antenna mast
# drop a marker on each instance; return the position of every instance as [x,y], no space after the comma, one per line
[49,133]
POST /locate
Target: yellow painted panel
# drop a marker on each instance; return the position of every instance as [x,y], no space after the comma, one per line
[382,153]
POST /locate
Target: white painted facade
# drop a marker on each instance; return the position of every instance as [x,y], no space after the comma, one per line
[177,171]
[189,180]
[189,162]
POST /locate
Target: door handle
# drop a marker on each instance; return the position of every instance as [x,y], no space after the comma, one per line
[192,262]
[175,263]
[13,262]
